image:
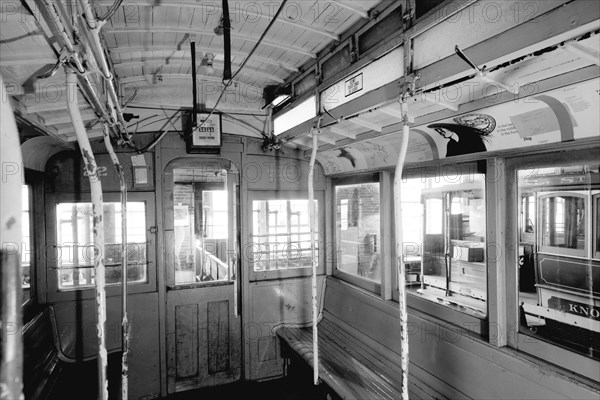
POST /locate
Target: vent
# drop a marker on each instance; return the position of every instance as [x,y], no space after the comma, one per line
[338,61]
[424,6]
[305,84]
[379,32]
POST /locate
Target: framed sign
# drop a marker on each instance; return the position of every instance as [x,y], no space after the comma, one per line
[207,135]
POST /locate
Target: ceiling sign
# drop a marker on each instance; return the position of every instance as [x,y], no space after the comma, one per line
[354,84]
[380,72]
[207,135]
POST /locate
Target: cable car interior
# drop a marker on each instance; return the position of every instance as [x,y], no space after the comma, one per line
[329,199]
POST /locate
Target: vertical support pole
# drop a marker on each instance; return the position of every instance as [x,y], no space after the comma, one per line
[124,318]
[98,228]
[313,222]
[400,252]
[11,368]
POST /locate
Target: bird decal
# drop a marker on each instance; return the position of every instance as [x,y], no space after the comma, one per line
[344,154]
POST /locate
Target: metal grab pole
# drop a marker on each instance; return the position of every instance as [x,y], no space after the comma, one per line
[311,210]
[124,319]
[400,254]
[11,367]
[98,228]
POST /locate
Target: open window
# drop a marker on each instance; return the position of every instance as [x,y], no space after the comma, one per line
[444,241]
[280,245]
[358,231]
[76,248]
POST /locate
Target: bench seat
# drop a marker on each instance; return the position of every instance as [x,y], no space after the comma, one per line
[347,366]
[359,347]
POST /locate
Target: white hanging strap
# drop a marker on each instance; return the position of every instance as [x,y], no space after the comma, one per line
[124,317]
[400,250]
[311,207]
[91,169]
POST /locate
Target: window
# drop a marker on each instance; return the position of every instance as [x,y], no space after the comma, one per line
[559,279]
[75,263]
[358,238]
[596,206]
[281,234]
[201,224]
[444,241]
[27,243]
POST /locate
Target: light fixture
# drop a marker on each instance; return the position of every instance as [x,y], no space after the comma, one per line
[207,62]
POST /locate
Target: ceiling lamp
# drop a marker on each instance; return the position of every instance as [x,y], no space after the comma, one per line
[207,61]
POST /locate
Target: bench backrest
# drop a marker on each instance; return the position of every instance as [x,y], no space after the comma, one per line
[40,356]
[363,312]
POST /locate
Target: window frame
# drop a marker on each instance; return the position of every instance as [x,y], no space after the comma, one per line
[31,248]
[263,195]
[563,358]
[595,228]
[56,294]
[554,250]
[365,284]
[469,321]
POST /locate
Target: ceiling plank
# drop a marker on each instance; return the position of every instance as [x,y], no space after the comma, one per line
[20,110]
[29,59]
[239,36]
[66,118]
[148,78]
[211,9]
[38,107]
[584,52]
[130,49]
[163,61]
[365,124]
[342,132]
[351,7]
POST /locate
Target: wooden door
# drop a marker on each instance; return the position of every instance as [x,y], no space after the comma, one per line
[203,325]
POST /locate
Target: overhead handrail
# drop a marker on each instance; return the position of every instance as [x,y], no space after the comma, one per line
[91,169]
[99,53]
[400,248]
[313,223]
[124,267]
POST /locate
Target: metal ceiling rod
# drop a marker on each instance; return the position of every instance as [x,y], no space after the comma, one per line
[99,53]
[124,268]
[55,21]
[194,82]
[91,169]
[11,365]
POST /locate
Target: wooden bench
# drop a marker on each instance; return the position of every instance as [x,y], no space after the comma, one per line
[359,347]
[41,363]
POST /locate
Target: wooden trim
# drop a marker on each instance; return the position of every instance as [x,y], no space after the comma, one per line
[388,238]
[495,190]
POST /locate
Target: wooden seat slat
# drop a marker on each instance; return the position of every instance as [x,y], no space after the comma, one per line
[365,354]
[344,371]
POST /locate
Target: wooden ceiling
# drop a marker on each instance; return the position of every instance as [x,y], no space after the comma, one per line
[148,45]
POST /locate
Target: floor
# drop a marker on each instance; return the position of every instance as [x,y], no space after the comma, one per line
[80,383]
